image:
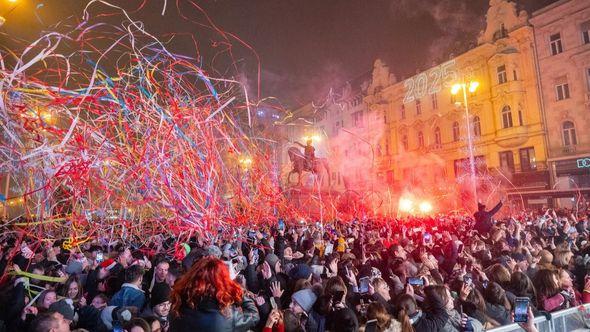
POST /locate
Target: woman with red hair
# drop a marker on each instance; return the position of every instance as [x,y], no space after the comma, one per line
[206,299]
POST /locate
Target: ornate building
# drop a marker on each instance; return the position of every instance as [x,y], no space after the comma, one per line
[562,38]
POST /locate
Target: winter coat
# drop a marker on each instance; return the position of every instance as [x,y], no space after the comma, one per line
[207,317]
[483,219]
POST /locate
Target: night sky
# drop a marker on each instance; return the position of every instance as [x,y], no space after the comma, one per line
[304,46]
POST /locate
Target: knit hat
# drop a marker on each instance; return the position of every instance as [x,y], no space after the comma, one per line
[112,314]
[65,307]
[272,260]
[74,267]
[305,298]
[214,251]
[300,271]
[160,294]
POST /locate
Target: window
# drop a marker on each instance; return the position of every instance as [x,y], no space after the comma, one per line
[384,116]
[387,146]
[418,107]
[476,126]
[420,139]
[502,74]
[403,112]
[507,161]
[588,78]
[405,142]
[357,119]
[520,121]
[555,42]
[506,117]
[527,159]
[437,138]
[514,75]
[569,134]
[585,27]
[434,101]
[456,132]
[562,91]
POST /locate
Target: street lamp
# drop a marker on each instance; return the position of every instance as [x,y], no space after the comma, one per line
[472,87]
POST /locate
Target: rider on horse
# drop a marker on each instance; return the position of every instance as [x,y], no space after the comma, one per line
[309,152]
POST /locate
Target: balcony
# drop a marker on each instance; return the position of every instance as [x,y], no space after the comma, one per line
[512,137]
[531,179]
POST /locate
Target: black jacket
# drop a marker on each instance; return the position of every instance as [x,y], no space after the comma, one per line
[483,219]
[435,317]
[207,317]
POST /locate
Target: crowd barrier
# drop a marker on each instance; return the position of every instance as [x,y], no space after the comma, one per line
[568,320]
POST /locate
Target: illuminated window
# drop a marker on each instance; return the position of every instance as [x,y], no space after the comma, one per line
[420,139]
[569,134]
[527,159]
[476,126]
[501,70]
[507,161]
[405,142]
[562,91]
[437,138]
[585,27]
[555,42]
[506,117]
[418,107]
[456,131]
[434,101]
[403,112]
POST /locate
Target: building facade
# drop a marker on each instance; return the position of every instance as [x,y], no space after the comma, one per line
[523,127]
[562,39]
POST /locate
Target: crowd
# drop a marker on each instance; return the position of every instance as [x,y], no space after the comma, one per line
[449,272]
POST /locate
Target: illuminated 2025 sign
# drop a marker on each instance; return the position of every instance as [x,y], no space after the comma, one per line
[583,163]
[430,82]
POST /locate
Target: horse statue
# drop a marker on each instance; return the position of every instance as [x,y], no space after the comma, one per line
[301,165]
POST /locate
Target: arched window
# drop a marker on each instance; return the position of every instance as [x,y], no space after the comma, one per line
[456,131]
[476,126]
[506,117]
[405,142]
[569,134]
[420,139]
[437,137]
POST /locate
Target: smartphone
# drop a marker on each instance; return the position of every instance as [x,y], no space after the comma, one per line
[281,225]
[416,281]
[521,310]
[427,237]
[329,249]
[460,248]
[485,284]
[99,257]
[255,254]
[364,285]
[252,234]
[468,279]
[273,304]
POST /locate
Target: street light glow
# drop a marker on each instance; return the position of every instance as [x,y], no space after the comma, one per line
[455,89]
[315,138]
[473,86]
[405,205]
[425,207]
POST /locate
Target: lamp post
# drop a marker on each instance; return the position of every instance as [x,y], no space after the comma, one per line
[472,87]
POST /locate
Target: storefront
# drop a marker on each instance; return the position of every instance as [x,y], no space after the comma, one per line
[571,177]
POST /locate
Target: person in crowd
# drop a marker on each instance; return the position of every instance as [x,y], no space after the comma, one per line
[206,299]
[131,293]
[50,322]
[160,305]
[483,218]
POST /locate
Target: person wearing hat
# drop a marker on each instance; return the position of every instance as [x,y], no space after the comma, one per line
[66,308]
[115,316]
[50,321]
[483,218]
[301,307]
[159,305]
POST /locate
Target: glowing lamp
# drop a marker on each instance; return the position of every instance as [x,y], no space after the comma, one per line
[405,205]
[473,86]
[13,1]
[455,89]
[425,207]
